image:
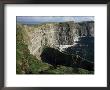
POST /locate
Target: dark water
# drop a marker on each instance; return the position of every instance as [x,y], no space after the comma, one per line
[84,48]
[81,55]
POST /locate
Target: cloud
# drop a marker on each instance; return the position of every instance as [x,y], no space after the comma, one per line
[84,18]
[68,18]
[53,18]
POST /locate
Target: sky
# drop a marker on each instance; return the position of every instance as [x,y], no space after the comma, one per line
[42,19]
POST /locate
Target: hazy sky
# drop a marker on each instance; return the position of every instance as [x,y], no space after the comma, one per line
[40,19]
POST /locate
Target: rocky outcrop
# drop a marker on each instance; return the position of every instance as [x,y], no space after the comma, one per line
[55,34]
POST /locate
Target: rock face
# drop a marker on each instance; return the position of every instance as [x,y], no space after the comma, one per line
[55,34]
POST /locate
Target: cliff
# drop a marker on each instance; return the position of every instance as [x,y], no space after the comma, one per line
[54,35]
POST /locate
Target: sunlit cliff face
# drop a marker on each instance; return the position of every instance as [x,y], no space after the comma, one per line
[55,35]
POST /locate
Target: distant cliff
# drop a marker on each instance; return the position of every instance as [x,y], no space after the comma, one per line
[54,34]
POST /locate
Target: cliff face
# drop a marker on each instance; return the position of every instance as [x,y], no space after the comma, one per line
[55,34]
